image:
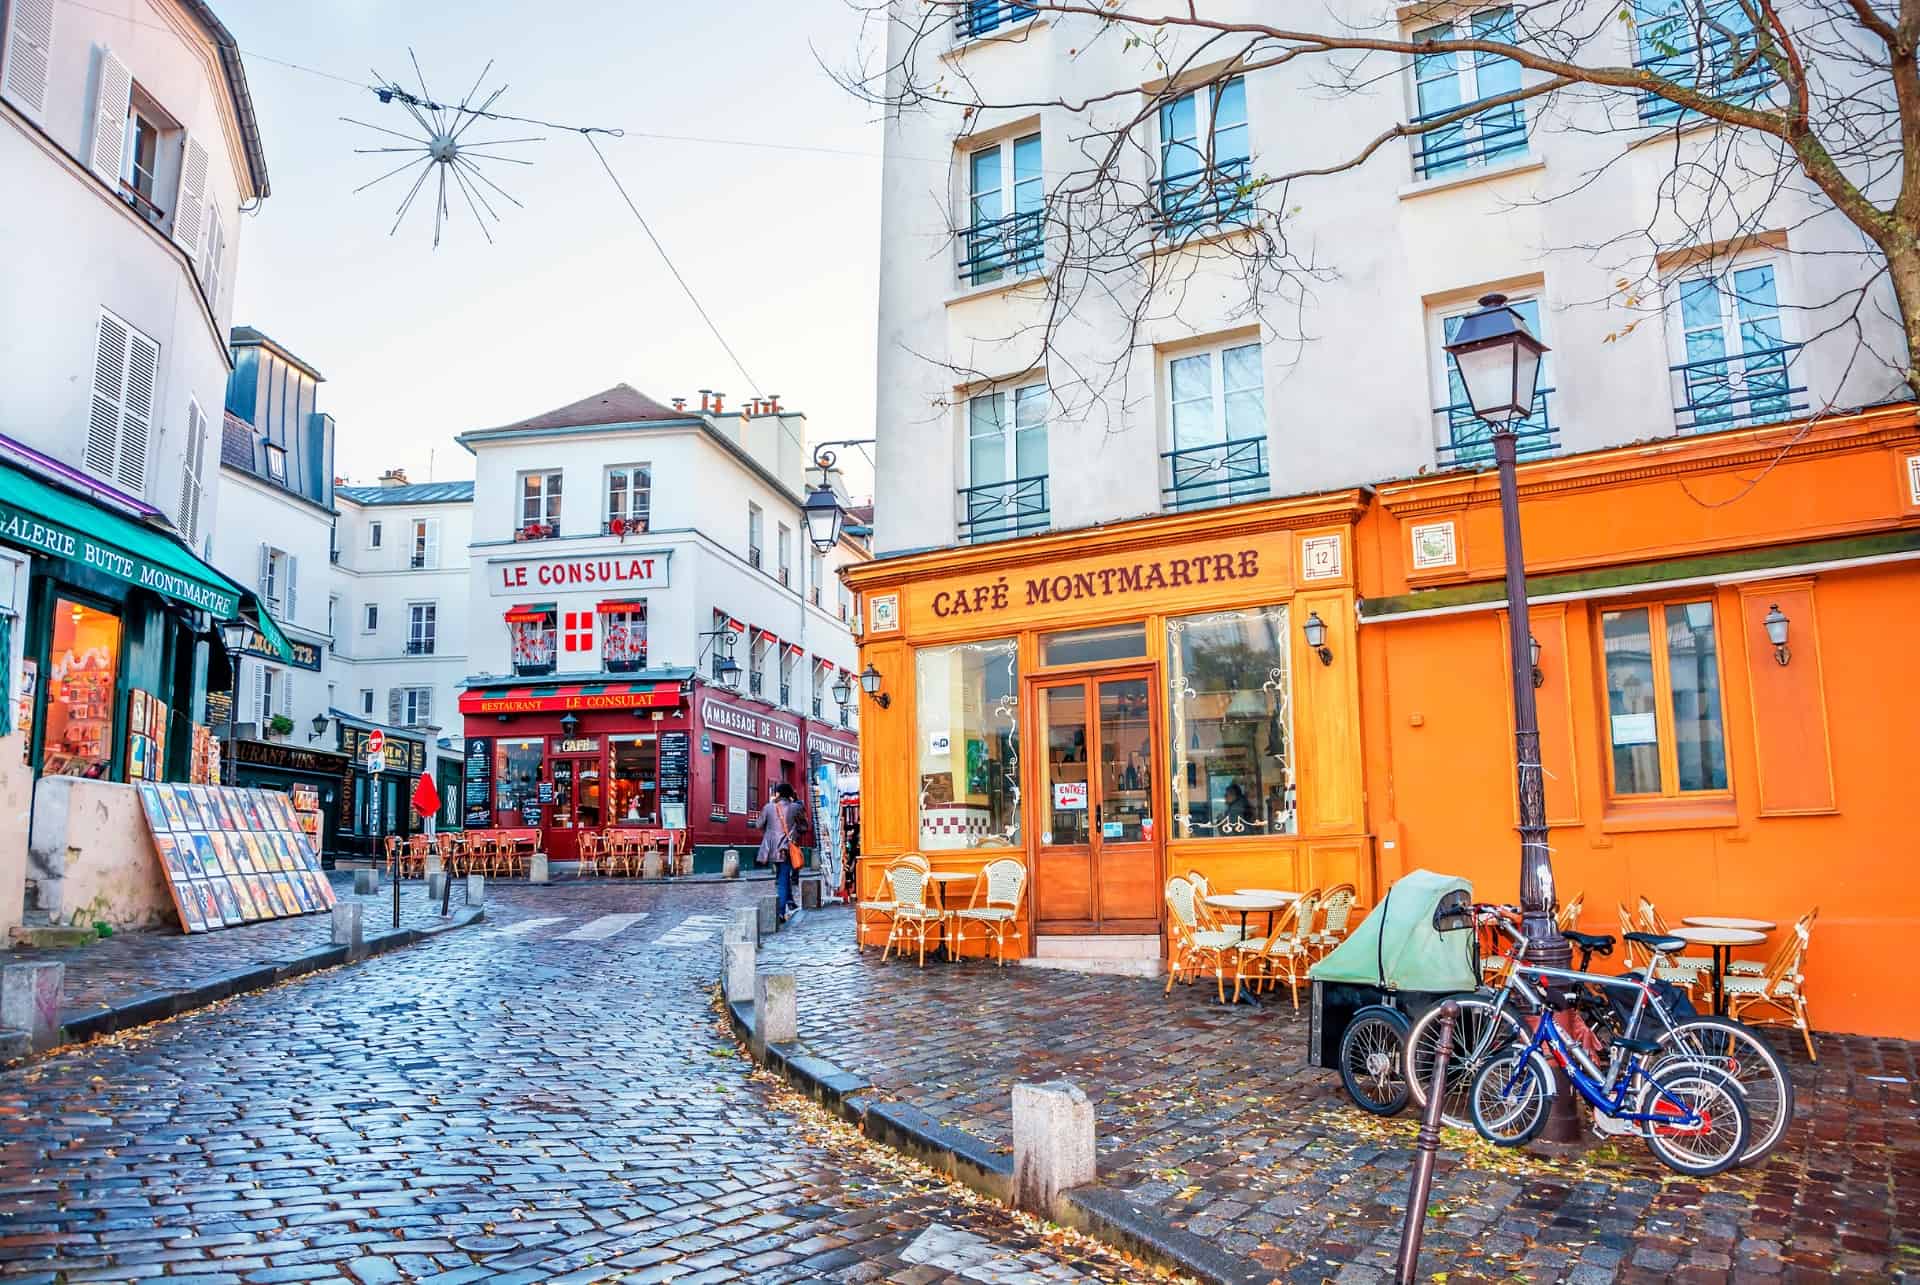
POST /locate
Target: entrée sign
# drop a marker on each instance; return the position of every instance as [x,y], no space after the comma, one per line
[582,571]
[1140,577]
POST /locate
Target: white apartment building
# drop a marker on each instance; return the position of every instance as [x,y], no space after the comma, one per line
[621,548]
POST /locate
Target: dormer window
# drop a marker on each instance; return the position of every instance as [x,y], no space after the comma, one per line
[276,459]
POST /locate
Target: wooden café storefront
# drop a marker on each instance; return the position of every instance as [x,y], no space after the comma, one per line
[1117,705]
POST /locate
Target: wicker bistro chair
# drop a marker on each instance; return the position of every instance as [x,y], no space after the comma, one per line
[1209,918]
[1006,883]
[1758,968]
[1780,993]
[1654,922]
[593,847]
[911,915]
[1638,957]
[1569,916]
[884,904]
[1336,910]
[1193,946]
[1285,952]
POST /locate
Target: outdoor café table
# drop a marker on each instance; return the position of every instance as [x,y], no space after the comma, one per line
[940,879]
[1722,940]
[1246,903]
[1730,921]
[1286,898]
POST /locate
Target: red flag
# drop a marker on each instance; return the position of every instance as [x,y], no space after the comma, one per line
[426,798]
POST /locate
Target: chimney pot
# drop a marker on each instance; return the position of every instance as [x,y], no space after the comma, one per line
[679,403]
[716,402]
[706,396]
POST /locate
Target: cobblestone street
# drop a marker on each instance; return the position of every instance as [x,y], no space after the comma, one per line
[546,1096]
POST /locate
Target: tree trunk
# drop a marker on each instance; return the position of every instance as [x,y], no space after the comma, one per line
[1903,266]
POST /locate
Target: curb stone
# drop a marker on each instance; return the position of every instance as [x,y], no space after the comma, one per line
[1101,1212]
[81,1025]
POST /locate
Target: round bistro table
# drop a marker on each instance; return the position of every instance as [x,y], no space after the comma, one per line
[1246,903]
[940,879]
[1722,940]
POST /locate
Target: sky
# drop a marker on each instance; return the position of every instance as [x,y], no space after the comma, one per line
[419,344]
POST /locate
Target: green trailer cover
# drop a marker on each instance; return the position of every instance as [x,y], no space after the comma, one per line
[1396,945]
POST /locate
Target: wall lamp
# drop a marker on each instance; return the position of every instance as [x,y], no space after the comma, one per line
[1315,630]
[320,722]
[870,684]
[842,690]
[1533,649]
[569,725]
[1776,623]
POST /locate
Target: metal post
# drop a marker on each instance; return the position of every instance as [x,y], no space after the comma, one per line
[1538,899]
[1426,1146]
[233,716]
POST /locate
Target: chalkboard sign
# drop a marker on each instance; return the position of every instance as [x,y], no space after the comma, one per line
[546,794]
[478,796]
[673,773]
[530,814]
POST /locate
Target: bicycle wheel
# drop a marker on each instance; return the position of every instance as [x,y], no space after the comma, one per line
[1510,1098]
[1479,1032]
[1373,1059]
[1750,1060]
[1677,1085]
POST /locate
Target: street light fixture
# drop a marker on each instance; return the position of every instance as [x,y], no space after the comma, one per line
[842,690]
[824,517]
[1533,647]
[1776,623]
[1314,630]
[1499,362]
[870,684]
[320,722]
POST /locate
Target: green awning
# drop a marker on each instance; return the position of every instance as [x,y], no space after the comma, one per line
[37,516]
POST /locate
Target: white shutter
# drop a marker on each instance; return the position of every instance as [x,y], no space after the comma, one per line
[393,707]
[293,586]
[216,252]
[143,368]
[286,693]
[189,212]
[112,99]
[109,390]
[259,719]
[433,542]
[266,567]
[28,51]
[423,706]
[188,516]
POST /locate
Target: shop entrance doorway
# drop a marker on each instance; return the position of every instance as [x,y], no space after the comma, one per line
[1097,850]
[577,805]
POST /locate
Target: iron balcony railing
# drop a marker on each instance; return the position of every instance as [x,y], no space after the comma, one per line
[1710,68]
[1467,440]
[617,525]
[753,557]
[1747,388]
[755,682]
[786,695]
[1476,141]
[845,718]
[1217,194]
[548,530]
[1003,510]
[1217,473]
[419,646]
[633,664]
[1016,243]
[978,17]
[817,705]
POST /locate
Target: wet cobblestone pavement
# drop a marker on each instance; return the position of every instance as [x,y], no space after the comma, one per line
[548,1096]
[1211,1118]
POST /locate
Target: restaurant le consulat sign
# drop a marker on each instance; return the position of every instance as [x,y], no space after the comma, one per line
[583,572]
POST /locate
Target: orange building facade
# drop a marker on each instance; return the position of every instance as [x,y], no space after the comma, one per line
[1117,705]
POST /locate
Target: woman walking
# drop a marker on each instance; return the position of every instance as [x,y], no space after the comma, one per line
[779,837]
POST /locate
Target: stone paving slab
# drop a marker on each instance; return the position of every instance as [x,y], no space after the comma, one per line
[1212,1121]
[136,977]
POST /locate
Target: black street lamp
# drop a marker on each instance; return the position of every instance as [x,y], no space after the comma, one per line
[1499,362]
[842,690]
[870,684]
[824,517]
[234,633]
[320,722]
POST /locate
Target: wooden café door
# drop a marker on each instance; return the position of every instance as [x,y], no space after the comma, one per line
[1097,857]
[576,805]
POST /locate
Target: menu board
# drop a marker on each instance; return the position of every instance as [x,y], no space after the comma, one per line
[674,766]
[477,795]
[233,856]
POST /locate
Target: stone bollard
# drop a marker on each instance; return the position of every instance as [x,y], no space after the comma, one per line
[775,1020]
[653,865]
[768,911]
[810,893]
[433,866]
[745,925]
[1052,1143]
[366,882]
[730,864]
[349,927]
[476,890]
[436,885]
[739,971]
[537,868]
[30,1001]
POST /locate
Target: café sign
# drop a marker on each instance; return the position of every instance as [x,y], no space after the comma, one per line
[305,654]
[585,572]
[750,724]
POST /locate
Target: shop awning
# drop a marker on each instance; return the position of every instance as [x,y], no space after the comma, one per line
[566,697]
[51,521]
[614,605]
[528,613]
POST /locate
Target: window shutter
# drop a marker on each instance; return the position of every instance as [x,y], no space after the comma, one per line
[423,705]
[293,585]
[188,516]
[27,54]
[109,389]
[286,692]
[393,706]
[433,542]
[259,697]
[112,99]
[216,252]
[143,368]
[189,213]
[266,566]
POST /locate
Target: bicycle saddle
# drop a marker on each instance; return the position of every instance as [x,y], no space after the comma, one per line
[1598,943]
[1654,941]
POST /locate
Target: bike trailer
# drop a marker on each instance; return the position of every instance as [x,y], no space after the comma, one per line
[1411,951]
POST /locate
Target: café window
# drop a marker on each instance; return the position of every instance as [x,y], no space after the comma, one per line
[1085,646]
[78,736]
[756,782]
[633,790]
[968,745]
[629,499]
[516,779]
[1230,724]
[624,640]
[1663,701]
[531,638]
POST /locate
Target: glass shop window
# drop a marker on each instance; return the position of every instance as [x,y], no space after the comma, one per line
[1230,725]
[1083,646]
[516,779]
[78,736]
[633,793]
[969,745]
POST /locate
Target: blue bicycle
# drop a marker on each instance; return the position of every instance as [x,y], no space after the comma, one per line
[1692,1113]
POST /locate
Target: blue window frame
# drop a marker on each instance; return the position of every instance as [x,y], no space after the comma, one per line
[997,241]
[1205,156]
[1445,82]
[1006,493]
[979,17]
[1735,365]
[1709,47]
[1217,408]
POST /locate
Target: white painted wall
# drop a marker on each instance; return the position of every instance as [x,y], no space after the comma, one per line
[72,248]
[1354,402]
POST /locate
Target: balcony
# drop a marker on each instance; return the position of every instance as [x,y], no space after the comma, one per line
[818,705]
[845,718]
[1215,196]
[1217,473]
[980,17]
[537,531]
[1733,392]
[786,695]
[1016,243]
[419,646]
[624,527]
[1000,511]
[814,594]
[753,556]
[629,663]
[786,575]
[756,682]
[1468,440]
[1474,143]
[1717,69]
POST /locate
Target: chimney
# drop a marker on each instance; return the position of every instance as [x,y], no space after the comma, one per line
[394,477]
[679,403]
[773,403]
[716,402]
[706,397]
